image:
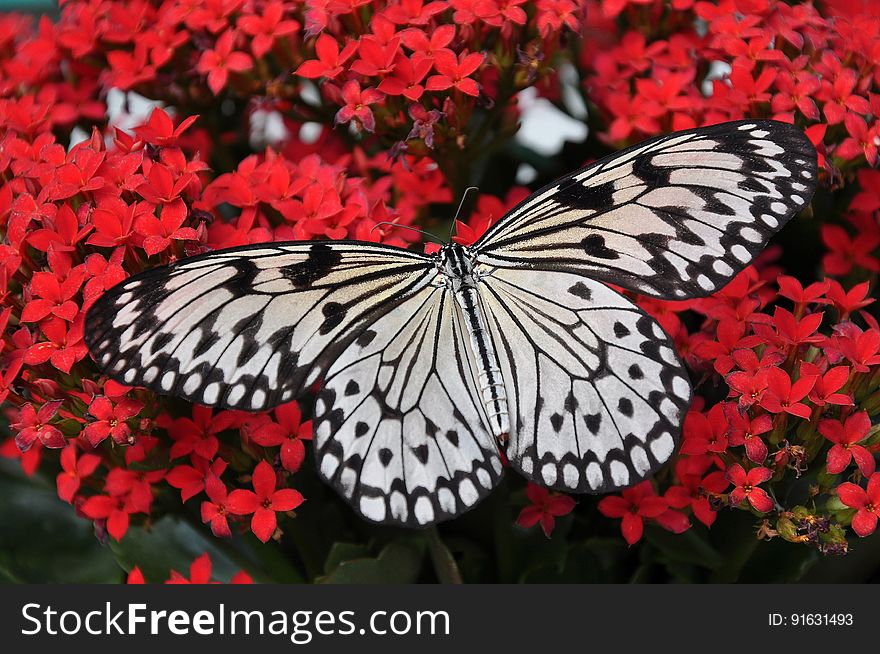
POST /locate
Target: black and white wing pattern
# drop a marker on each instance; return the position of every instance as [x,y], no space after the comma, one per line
[674,217]
[596,391]
[249,327]
[400,430]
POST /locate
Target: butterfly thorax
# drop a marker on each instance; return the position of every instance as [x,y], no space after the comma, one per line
[456,266]
[457,270]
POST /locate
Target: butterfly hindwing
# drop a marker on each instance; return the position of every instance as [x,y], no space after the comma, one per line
[674,217]
[399,428]
[249,327]
[596,390]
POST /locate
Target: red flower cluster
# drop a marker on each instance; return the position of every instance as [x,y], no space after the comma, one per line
[199,573]
[85,203]
[282,119]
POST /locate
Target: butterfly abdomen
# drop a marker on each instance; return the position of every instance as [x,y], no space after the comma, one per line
[458,270]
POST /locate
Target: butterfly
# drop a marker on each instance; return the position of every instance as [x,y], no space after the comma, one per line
[431,366]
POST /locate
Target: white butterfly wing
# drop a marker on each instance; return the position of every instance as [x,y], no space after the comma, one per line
[400,431]
[596,391]
[249,327]
[674,217]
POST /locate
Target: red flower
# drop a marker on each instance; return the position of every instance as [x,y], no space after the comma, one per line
[114,510]
[54,291]
[861,348]
[214,511]
[407,78]
[198,435]
[705,433]
[791,288]
[746,484]
[200,573]
[731,336]
[866,503]
[159,129]
[330,59]
[73,471]
[288,432]
[454,72]
[545,507]
[266,28]
[827,384]
[414,12]
[111,420]
[357,105]
[636,504]
[845,437]
[191,479]
[784,396]
[32,425]
[696,490]
[847,252]
[848,301]
[263,503]
[747,431]
[376,59]
[788,331]
[159,232]
[219,62]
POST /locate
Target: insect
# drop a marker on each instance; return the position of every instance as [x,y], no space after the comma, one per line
[430,365]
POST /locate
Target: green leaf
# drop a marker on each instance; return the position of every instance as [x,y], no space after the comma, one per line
[581,566]
[171,544]
[397,563]
[43,540]
[690,547]
[445,566]
[341,552]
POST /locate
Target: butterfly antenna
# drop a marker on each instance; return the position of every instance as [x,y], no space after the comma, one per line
[460,205]
[414,229]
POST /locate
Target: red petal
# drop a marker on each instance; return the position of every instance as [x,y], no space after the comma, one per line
[759,499]
[851,495]
[286,499]
[632,528]
[864,460]
[264,480]
[838,459]
[263,524]
[864,523]
[242,502]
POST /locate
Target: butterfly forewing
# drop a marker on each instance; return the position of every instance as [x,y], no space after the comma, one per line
[675,217]
[250,327]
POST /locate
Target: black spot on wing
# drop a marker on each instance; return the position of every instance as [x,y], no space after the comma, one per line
[366,338]
[352,388]
[586,198]
[320,261]
[334,314]
[421,453]
[594,246]
[582,291]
